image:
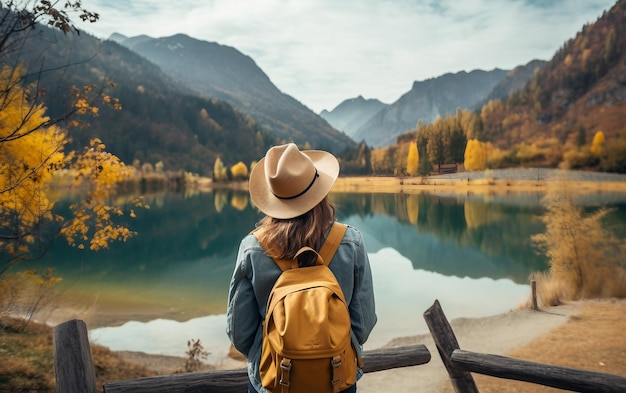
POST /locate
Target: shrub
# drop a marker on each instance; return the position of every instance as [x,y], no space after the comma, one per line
[585,258]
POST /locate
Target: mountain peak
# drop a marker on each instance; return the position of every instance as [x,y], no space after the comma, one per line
[117,37]
[352,113]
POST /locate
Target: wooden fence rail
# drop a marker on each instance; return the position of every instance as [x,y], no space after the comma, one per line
[544,374]
[460,363]
[74,369]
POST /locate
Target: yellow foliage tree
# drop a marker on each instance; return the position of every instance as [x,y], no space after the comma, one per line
[597,145]
[239,171]
[31,159]
[219,171]
[30,153]
[413,160]
[476,155]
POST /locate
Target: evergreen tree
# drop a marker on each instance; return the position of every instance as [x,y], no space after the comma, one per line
[581,136]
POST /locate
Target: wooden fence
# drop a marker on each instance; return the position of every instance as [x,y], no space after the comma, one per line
[74,369]
[461,363]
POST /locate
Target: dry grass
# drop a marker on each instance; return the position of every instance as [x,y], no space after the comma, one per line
[594,340]
[26,360]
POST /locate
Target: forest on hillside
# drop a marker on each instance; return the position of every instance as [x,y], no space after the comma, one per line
[572,114]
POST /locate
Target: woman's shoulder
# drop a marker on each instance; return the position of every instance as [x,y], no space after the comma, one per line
[250,244]
[352,234]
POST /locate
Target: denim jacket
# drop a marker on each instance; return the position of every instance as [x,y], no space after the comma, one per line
[254,276]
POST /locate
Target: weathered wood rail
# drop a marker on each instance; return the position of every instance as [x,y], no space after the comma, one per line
[460,364]
[74,370]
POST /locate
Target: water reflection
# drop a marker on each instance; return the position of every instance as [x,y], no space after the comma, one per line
[473,253]
[402,295]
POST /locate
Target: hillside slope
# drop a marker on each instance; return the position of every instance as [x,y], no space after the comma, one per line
[223,72]
[583,87]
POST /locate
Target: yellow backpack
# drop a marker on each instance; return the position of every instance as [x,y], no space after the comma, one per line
[306,334]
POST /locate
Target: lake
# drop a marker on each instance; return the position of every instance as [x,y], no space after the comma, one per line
[170,283]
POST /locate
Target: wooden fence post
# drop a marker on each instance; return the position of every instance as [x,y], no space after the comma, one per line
[533,290]
[446,343]
[73,366]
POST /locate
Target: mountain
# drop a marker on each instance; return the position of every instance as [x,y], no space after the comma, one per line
[426,101]
[515,80]
[225,73]
[160,119]
[351,114]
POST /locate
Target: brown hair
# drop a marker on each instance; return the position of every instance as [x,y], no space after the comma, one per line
[282,238]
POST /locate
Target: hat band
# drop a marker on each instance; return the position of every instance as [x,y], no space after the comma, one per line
[303,192]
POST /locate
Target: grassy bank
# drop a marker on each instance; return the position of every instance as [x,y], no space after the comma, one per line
[27,362]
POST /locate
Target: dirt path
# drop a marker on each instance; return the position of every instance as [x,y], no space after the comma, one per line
[496,335]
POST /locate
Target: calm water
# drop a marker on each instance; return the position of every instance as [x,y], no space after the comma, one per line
[169,284]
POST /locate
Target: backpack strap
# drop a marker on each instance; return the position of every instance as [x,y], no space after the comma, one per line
[326,253]
[332,242]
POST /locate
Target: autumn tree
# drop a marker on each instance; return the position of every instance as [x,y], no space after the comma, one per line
[219,171]
[435,147]
[33,155]
[32,160]
[597,145]
[491,118]
[424,167]
[239,171]
[614,156]
[475,155]
[412,160]
[585,257]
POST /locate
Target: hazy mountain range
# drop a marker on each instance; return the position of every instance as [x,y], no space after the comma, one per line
[352,113]
[379,124]
[223,72]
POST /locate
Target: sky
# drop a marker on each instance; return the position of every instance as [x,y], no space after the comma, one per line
[322,52]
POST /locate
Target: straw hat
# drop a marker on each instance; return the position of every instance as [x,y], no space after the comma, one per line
[287,182]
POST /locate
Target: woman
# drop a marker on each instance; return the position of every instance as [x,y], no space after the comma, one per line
[290,187]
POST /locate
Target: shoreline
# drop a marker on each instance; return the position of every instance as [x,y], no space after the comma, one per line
[413,185]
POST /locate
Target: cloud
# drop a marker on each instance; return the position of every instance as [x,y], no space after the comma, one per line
[322,52]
